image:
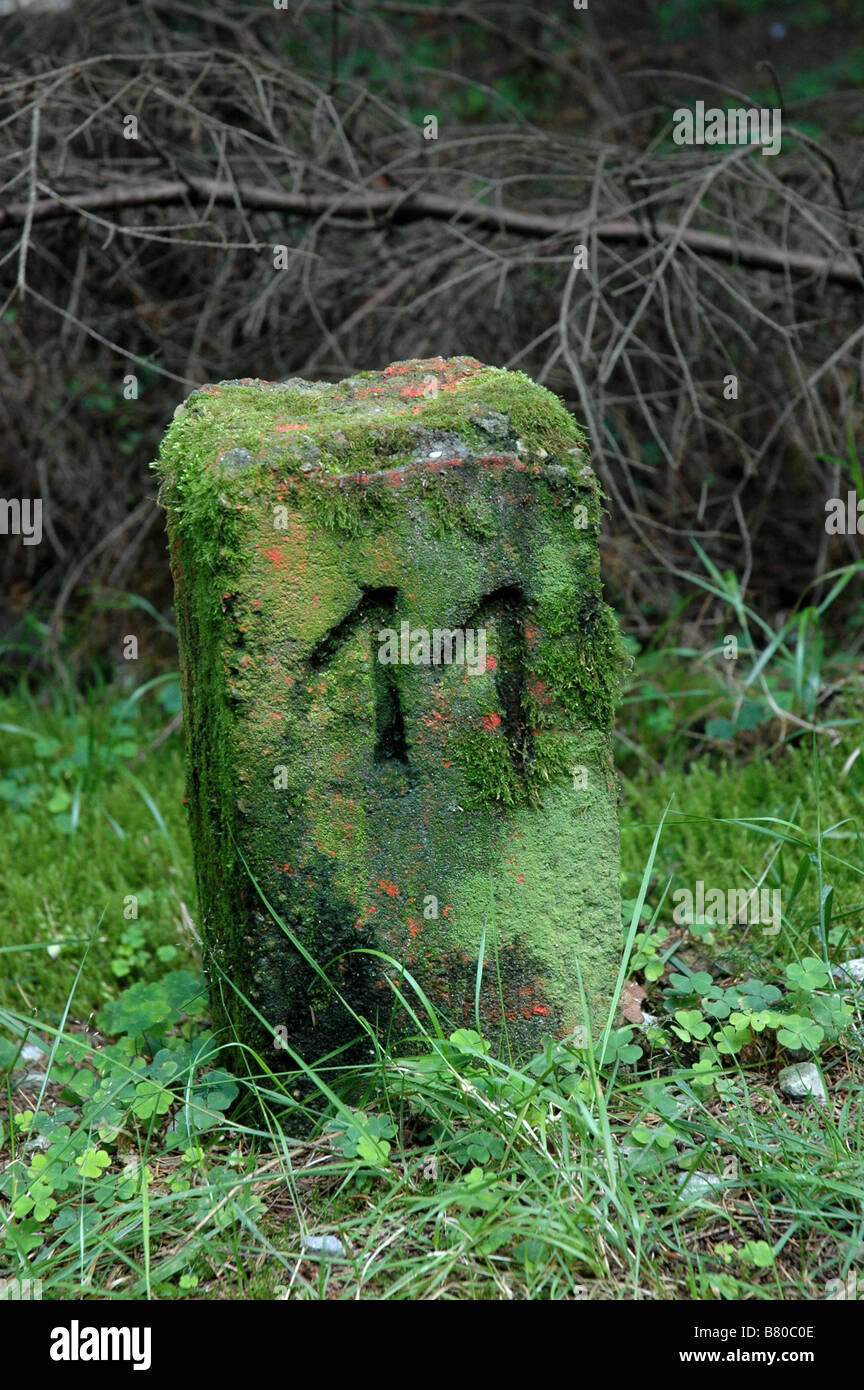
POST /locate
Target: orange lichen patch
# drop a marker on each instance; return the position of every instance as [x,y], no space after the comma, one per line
[285,429]
[491,721]
[295,532]
[389,888]
[276,557]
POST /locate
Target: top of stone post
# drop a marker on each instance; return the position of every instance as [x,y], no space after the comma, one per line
[427,412]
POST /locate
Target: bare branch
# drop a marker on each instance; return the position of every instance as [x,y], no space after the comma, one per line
[396,207]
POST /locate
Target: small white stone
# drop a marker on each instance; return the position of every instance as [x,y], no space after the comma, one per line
[851,971]
[801,1080]
[32,1081]
[698,1185]
[329,1246]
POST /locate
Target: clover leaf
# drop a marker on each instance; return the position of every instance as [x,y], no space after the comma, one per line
[810,974]
[691,1025]
[92,1162]
[757,995]
[758,1253]
[151,1099]
[800,1032]
[733,1036]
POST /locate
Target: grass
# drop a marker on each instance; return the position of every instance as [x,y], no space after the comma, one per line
[64,884]
[136,1165]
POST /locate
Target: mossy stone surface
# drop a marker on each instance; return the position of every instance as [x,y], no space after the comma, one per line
[424,811]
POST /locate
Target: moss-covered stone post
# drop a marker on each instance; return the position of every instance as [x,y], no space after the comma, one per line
[398,684]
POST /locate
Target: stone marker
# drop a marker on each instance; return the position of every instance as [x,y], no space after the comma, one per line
[398,685]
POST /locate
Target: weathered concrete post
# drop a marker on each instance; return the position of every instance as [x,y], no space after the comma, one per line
[398,684]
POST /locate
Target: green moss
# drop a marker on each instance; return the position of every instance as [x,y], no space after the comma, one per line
[487,764]
[353,513]
[342,428]
[584,667]
[537,416]
[450,509]
[557,868]
[454,510]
